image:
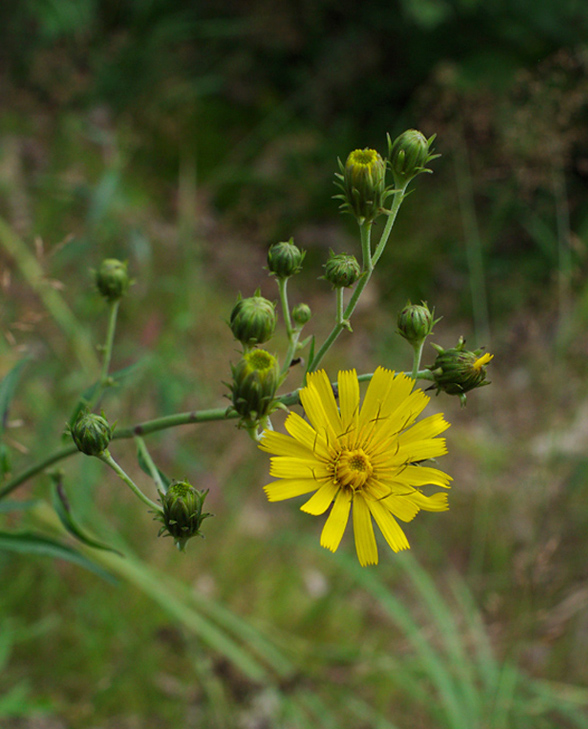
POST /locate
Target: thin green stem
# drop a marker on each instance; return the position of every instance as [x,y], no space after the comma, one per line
[107,352]
[105,457]
[339,295]
[396,203]
[416,362]
[292,346]
[368,268]
[163,423]
[283,287]
[153,470]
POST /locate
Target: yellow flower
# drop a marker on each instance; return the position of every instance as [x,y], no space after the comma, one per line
[369,458]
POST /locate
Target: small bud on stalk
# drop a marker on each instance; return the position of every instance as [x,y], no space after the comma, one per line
[182,514]
[301,314]
[408,155]
[457,370]
[285,259]
[91,433]
[416,322]
[255,381]
[363,181]
[253,320]
[112,279]
[342,270]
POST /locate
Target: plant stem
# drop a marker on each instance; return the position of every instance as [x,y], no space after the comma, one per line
[109,460]
[163,423]
[365,230]
[339,294]
[112,314]
[397,202]
[416,362]
[153,470]
[283,287]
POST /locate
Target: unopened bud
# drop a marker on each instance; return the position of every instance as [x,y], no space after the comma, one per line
[112,279]
[342,270]
[182,514]
[91,433]
[408,155]
[457,370]
[253,320]
[415,322]
[301,314]
[363,182]
[285,259]
[255,381]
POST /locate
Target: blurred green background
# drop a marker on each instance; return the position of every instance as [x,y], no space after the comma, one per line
[186,137]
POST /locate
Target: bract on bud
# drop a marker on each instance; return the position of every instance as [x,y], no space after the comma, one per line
[457,370]
[285,259]
[253,320]
[91,433]
[342,270]
[182,514]
[363,181]
[415,322]
[112,279]
[409,154]
[301,314]
[255,381]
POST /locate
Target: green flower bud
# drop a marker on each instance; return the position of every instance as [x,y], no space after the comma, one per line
[182,514]
[255,381]
[285,259]
[457,370]
[363,181]
[91,433]
[416,322]
[342,270]
[408,155]
[112,279]
[301,314]
[253,320]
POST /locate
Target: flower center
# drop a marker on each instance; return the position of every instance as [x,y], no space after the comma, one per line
[353,469]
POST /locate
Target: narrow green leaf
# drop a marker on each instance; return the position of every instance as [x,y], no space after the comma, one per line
[25,542]
[7,390]
[63,509]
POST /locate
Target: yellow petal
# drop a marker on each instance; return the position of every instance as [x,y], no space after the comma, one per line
[422,450]
[304,433]
[287,488]
[426,428]
[349,401]
[374,397]
[336,522]
[423,476]
[392,532]
[365,541]
[283,445]
[436,502]
[402,506]
[319,404]
[288,467]
[321,501]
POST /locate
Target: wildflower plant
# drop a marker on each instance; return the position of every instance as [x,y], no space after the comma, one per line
[369,460]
